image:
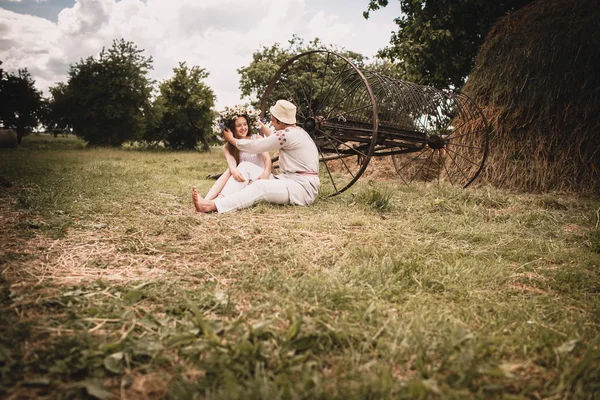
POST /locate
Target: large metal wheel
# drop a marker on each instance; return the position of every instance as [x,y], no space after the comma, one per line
[336,106]
[454,142]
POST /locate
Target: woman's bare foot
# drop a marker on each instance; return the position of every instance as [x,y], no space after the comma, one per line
[201,204]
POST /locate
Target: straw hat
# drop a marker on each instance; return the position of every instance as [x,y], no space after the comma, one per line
[284,111]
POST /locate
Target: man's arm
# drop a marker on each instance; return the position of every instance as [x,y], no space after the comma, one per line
[256,146]
[228,135]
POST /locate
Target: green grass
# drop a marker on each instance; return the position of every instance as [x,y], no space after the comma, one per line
[113,287]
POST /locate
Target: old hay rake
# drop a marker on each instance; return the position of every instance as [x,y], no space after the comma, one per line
[354,115]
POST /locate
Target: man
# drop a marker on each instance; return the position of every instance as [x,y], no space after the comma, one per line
[298,182]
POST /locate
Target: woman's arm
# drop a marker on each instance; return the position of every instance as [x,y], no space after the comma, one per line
[268,164]
[264,130]
[232,164]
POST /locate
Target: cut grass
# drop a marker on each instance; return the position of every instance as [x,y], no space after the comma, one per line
[113,287]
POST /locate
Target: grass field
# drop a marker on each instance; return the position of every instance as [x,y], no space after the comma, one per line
[113,287]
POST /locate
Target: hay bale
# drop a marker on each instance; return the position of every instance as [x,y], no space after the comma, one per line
[8,139]
[537,79]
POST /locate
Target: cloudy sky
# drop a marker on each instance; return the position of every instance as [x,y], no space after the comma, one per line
[47,36]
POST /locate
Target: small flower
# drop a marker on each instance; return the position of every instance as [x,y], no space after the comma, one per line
[231,113]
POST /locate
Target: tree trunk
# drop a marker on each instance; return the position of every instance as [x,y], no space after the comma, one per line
[205,144]
[20,133]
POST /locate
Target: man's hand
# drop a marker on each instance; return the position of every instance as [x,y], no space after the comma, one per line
[228,135]
[237,175]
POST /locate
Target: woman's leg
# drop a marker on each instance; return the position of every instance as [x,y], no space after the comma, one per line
[218,186]
[250,172]
[203,206]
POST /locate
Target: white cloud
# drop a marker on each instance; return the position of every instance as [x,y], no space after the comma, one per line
[328,28]
[27,41]
[86,17]
[218,35]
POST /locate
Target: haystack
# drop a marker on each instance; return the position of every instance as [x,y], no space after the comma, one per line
[537,78]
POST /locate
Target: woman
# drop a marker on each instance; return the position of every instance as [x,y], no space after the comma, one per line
[237,121]
[298,183]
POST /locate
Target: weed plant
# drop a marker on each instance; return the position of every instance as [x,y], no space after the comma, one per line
[377,197]
[113,287]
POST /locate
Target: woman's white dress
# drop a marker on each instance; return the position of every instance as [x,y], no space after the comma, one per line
[253,158]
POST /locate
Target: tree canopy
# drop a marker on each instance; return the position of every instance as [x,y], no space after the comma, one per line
[184,109]
[20,102]
[109,96]
[437,41]
[55,109]
[255,78]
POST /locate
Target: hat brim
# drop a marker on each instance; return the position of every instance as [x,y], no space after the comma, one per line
[283,118]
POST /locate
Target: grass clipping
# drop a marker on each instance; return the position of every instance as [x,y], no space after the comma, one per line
[536,78]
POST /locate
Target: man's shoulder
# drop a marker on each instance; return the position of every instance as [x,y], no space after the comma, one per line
[291,129]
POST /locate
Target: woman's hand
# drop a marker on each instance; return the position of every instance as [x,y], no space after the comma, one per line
[264,175]
[266,157]
[237,175]
[264,129]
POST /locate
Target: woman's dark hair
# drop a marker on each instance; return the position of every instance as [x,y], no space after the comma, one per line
[231,125]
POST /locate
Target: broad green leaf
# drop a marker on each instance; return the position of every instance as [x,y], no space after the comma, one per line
[293,330]
[97,391]
[133,296]
[114,362]
[567,347]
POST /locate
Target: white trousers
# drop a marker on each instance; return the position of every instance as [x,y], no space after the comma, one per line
[238,195]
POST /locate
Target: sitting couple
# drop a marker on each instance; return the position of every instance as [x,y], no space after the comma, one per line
[249,180]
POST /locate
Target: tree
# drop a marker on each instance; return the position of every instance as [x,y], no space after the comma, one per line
[437,41]
[255,78]
[185,104]
[55,110]
[21,102]
[109,96]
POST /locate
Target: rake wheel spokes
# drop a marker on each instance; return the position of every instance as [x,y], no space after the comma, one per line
[336,107]
[455,143]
